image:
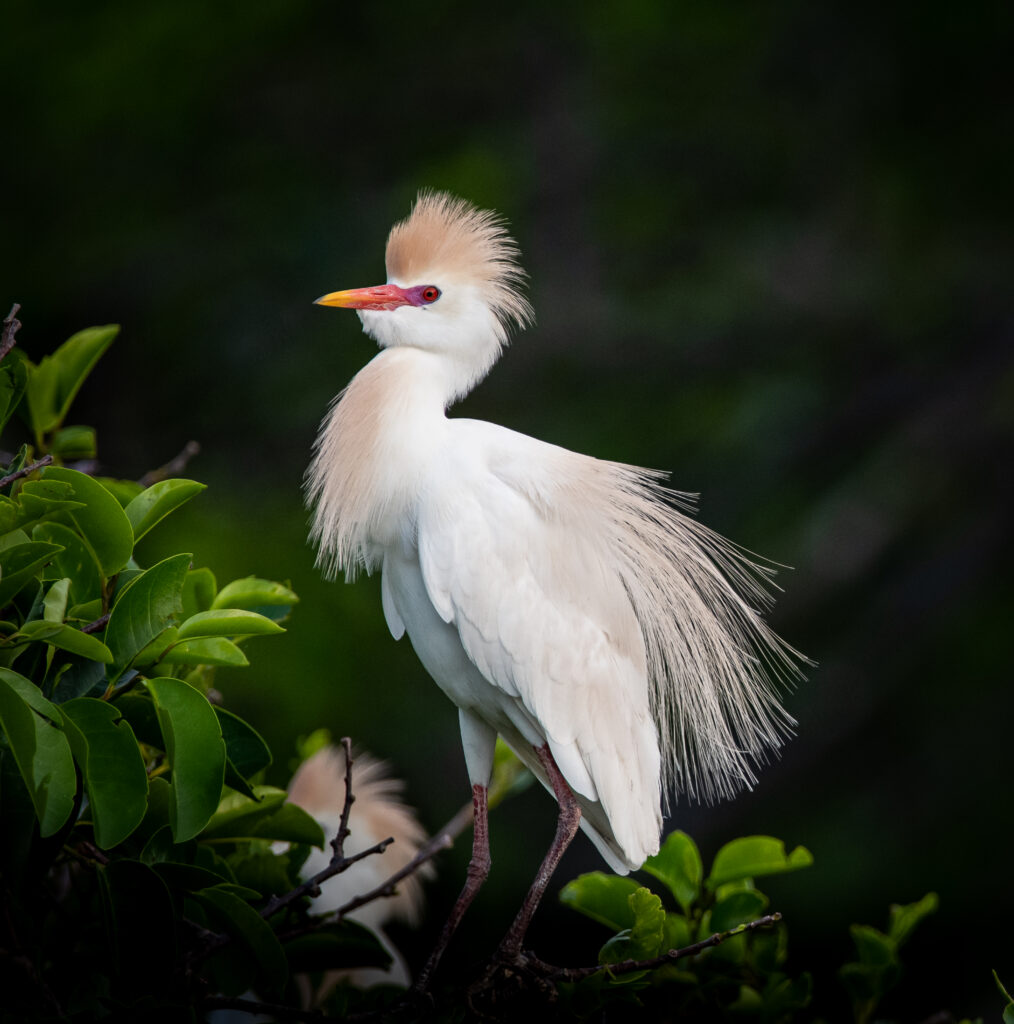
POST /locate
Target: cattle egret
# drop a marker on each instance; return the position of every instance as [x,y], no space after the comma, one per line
[562,602]
[378,813]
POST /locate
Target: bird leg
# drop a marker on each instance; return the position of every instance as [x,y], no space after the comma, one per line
[478,869]
[566,827]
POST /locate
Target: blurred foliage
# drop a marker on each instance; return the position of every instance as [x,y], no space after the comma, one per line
[769,246]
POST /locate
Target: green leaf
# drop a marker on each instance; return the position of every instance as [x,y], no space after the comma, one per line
[53,384]
[67,638]
[678,866]
[73,443]
[603,898]
[251,592]
[150,507]
[102,523]
[13,382]
[645,937]
[33,727]
[209,650]
[39,499]
[139,710]
[20,563]
[193,743]
[736,909]
[904,919]
[124,491]
[754,856]
[198,591]
[245,925]
[8,514]
[244,746]
[228,622]
[267,816]
[55,605]
[75,562]
[106,750]
[145,609]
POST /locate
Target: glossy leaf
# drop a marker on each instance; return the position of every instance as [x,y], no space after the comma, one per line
[196,752]
[75,562]
[603,898]
[66,638]
[53,384]
[245,747]
[101,522]
[55,605]
[145,609]
[20,563]
[106,750]
[209,650]
[199,590]
[252,592]
[736,909]
[228,622]
[39,499]
[754,857]
[33,727]
[267,816]
[151,506]
[247,927]
[678,865]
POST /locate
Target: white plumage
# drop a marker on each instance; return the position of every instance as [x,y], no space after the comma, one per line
[557,599]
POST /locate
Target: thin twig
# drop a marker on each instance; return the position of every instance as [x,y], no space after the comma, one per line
[98,624]
[339,862]
[338,843]
[441,840]
[311,887]
[25,470]
[10,328]
[173,467]
[669,957]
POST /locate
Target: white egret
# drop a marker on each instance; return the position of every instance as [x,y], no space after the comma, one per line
[562,602]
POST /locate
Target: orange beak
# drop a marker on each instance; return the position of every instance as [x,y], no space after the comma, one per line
[383,296]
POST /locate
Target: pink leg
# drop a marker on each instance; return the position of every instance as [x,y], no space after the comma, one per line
[566,827]
[478,869]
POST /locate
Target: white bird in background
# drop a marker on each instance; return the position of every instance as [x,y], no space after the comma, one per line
[562,602]
[377,814]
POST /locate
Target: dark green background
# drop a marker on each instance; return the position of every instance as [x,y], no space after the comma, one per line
[769,248]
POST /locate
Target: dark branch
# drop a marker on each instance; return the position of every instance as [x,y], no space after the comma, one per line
[98,624]
[173,467]
[26,470]
[10,328]
[669,957]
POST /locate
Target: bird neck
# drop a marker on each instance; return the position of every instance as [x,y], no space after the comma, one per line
[373,452]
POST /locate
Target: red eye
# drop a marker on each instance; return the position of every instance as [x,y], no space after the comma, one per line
[430,293]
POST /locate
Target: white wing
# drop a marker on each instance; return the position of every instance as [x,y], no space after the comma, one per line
[514,559]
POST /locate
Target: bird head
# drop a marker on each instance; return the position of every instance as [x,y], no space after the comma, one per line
[453,286]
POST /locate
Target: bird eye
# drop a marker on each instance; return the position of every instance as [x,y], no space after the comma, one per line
[430,293]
